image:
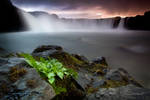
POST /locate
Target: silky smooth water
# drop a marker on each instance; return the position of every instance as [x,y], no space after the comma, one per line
[130,50]
[44,23]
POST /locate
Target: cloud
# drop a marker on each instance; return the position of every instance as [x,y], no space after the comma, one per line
[107,7]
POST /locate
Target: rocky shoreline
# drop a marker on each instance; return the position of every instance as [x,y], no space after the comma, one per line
[96,80]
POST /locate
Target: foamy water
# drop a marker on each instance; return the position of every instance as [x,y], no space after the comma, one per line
[44,23]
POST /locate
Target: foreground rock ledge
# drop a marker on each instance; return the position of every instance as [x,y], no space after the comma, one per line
[96,81]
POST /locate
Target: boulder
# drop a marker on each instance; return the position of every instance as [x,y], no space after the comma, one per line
[44,48]
[19,82]
[100,60]
[128,92]
[121,74]
[80,57]
[96,81]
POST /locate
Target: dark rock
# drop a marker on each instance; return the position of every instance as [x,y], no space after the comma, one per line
[121,75]
[80,57]
[116,22]
[9,18]
[14,82]
[3,52]
[3,61]
[73,90]
[114,75]
[58,53]
[139,22]
[129,92]
[99,83]
[45,54]
[44,48]
[100,60]
[84,78]
[95,80]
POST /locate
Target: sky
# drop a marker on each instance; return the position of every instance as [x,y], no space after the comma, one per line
[86,8]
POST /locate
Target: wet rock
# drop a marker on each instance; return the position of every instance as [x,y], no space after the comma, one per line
[80,57]
[121,74]
[67,59]
[44,48]
[129,92]
[45,54]
[100,60]
[3,52]
[99,83]
[73,90]
[3,61]
[84,78]
[19,82]
[96,81]
[114,75]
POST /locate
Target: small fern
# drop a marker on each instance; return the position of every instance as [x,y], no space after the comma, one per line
[50,69]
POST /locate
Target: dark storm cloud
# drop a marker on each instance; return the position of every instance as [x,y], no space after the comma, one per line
[109,6]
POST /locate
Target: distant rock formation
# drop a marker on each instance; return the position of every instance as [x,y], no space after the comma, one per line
[9,18]
[139,22]
[41,13]
[116,22]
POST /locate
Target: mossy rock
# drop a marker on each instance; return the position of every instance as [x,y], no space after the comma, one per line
[73,89]
[114,84]
[16,72]
[47,47]
[99,69]
[67,59]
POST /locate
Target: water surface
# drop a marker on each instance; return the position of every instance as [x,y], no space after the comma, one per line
[130,50]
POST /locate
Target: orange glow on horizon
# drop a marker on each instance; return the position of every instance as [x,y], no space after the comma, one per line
[94,13]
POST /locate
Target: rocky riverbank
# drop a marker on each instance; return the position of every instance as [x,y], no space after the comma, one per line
[96,80]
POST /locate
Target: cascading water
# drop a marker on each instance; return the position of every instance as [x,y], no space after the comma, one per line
[121,24]
[44,23]
[36,24]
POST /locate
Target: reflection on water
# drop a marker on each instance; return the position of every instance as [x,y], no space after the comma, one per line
[128,50]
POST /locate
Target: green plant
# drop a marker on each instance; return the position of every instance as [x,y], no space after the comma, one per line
[50,69]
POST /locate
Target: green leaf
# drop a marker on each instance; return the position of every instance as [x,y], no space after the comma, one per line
[49,69]
[50,75]
[51,80]
[60,74]
[64,69]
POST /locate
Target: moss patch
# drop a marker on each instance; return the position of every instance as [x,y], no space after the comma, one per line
[67,59]
[16,72]
[90,89]
[97,68]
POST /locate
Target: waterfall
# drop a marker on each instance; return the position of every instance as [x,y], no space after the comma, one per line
[34,24]
[45,23]
[121,24]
